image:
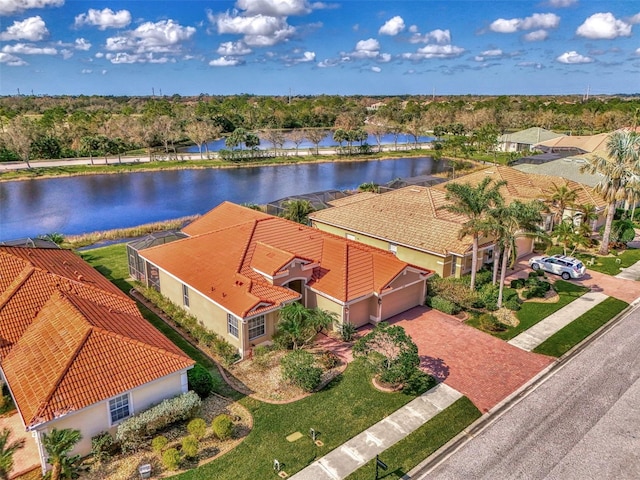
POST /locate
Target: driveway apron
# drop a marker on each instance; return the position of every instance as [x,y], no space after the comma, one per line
[484,368]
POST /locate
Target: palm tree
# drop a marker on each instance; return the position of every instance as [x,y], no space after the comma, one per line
[6,452]
[586,214]
[58,444]
[299,325]
[619,170]
[558,199]
[473,203]
[298,211]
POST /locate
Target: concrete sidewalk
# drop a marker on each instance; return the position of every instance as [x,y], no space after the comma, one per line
[353,454]
[630,273]
[531,338]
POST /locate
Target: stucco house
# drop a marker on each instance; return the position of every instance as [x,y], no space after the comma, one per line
[75,351]
[239,267]
[411,223]
[525,140]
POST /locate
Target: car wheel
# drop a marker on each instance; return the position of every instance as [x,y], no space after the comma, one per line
[535,266]
[566,275]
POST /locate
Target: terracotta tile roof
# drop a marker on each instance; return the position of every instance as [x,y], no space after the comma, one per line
[413,216]
[67,343]
[222,263]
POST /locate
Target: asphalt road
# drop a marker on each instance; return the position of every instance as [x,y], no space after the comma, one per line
[583,422]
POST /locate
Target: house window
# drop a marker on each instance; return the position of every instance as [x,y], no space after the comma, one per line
[453,266]
[350,237]
[185,295]
[232,325]
[256,327]
[489,255]
[119,408]
[393,248]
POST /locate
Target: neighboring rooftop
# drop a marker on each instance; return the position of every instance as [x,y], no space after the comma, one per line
[568,167]
[70,338]
[234,248]
[530,136]
[579,144]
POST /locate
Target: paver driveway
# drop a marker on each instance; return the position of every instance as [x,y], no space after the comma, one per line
[27,457]
[482,367]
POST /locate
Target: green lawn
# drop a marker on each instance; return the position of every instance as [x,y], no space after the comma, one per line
[609,265]
[531,313]
[346,407]
[409,452]
[583,326]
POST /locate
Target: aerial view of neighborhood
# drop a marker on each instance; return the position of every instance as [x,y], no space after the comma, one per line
[319,240]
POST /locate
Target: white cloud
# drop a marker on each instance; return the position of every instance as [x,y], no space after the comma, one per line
[495,53]
[275,8]
[32,29]
[99,55]
[603,26]
[635,19]
[82,44]
[165,36]
[637,51]
[369,48]
[103,72]
[535,65]
[573,57]
[66,53]
[258,30]
[125,57]
[535,21]
[435,51]
[392,27]
[562,3]
[384,57]
[11,7]
[439,36]
[104,19]
[26,49]
[226,62]
[11,60]
[536,36]
[233,48]
[86,71]
[376,69]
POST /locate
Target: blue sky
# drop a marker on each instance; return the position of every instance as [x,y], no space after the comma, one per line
[273,47]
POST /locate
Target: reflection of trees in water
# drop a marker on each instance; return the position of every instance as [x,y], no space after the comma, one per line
[105,188]
[31,193]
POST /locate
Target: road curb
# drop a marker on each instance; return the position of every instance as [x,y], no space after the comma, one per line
[453,445]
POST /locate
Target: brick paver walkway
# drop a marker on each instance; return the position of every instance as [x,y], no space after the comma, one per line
[484,368]
[27,457]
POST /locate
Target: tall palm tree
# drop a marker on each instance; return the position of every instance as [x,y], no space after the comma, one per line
[619,170]
[473,203]
[58,444]
[558,199]
[6,452]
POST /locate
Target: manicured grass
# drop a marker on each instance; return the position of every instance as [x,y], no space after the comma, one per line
[346,407]
[583,326]
[531,313]
[111,262]
[609,265]
[410,451]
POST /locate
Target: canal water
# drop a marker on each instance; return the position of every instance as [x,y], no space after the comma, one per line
[74,205]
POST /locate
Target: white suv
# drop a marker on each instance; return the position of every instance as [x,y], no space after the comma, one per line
[566,267]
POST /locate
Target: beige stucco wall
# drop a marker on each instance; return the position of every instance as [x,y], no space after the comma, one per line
[402,300]
[95,419]
[360,312]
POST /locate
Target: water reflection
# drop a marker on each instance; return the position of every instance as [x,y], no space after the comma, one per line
[87,203]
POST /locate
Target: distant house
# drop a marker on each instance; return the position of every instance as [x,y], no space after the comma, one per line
[75,350]
[239,267]
[411,223]
[525,140]
[575,144]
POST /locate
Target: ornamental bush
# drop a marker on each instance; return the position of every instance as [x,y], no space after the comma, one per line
[444,305]
[197,427]
[171,459]
[190,446]
[102,447]
[200,380]
[488,296]
[299,367]
[133,431]
[159,443]
[222,426]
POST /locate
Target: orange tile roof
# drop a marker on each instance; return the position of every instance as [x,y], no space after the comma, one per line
[413,216]
[221,264]
[71,339]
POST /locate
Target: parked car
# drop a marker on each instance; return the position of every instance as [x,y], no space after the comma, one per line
[566,267]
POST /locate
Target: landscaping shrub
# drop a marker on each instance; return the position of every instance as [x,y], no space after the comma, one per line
[488,296]
[222,426]
[418,383]
[223,349]
[536,288]
[197,427]
[444,305]
[455,290]
[298,366]
[329,360]
[347,331]
[132,432]
[517,283]
[102,447]
[484,276]
[200,380]
[260,357]
[171,459]
[190,446]
[490,323]
[159,443]
[510,299]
